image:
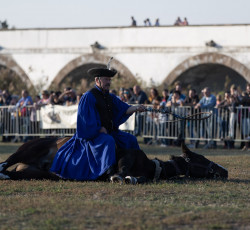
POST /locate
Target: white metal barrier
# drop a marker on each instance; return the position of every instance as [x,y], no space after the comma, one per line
[222,124]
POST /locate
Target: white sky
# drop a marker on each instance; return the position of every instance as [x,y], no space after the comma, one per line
[94,13]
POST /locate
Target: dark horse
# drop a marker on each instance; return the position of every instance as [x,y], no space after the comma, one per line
[35,157]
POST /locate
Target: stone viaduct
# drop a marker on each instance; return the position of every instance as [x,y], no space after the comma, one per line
[192,54]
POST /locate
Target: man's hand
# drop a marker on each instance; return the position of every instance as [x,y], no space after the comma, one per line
[197,106]
[136,108]
[103,130]
[140,108]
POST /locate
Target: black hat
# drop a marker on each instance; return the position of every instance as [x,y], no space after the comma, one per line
[102,72]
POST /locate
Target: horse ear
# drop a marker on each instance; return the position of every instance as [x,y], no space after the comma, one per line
[184,148]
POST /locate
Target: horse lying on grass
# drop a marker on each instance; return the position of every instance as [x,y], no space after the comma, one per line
[35,158]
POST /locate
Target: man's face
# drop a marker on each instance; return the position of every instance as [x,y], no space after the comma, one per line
[136,90]
[24,94]
[191,93]
[178,88]
[103,82]
[206,92]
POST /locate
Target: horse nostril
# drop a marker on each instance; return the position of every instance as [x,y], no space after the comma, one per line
[216,175]
[211,170]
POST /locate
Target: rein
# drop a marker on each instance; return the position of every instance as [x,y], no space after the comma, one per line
[193,117]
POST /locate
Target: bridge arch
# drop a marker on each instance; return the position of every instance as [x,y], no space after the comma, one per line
[8,62]
[89,61]
[212,59]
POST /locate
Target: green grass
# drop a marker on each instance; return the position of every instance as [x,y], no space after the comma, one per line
[181,204]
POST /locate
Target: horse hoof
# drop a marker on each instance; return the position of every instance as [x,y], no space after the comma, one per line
[4,177]
[130,180]
[116,179]
[2,166]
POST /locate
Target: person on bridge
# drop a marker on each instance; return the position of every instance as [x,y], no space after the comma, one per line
[90,153]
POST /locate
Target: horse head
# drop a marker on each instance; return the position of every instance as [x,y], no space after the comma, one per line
[200,167]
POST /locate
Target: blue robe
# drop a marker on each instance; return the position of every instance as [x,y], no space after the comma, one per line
[89,153]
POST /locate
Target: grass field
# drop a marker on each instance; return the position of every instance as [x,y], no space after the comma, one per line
[181,204]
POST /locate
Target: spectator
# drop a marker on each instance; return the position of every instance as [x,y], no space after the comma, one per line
[185,22]
[25,100]
[68,96]
[248,89]
[54,98]
[139,96]
[127,96]
[165,96]
[191,101]
[192,98]
[208,102]
[176,99]
[245,123]
[223,117]
[133,21]
[4,25]
[121,94]
[6,97]
[5,115]
[160,122]
[45,100]
[178,87]
[153,95]
[113,91]
[24,113]
[178,22]
[152,126]
[147,22]
[174,104]
[157,22]
[35,124]
[234,92]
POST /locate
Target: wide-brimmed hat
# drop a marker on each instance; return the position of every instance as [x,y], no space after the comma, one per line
[102,72]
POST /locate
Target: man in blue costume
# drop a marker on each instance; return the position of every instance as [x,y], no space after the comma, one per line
[90,153]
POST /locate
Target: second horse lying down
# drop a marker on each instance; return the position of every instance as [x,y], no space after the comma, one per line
[35,157]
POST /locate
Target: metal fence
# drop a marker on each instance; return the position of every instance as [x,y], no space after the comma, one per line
[223,124]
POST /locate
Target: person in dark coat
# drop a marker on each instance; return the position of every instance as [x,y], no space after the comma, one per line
[90,153]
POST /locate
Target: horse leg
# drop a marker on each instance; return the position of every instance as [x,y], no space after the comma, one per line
[28,172]
[31,152]
[125,162]
[136,180]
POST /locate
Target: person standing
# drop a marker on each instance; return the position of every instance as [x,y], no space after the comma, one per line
[207,103]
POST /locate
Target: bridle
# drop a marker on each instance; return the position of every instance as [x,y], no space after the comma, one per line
[191,165]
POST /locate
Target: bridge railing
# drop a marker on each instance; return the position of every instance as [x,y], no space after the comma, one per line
[154,127]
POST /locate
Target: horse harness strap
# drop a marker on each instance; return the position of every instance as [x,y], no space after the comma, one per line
[190,164]
[158,169]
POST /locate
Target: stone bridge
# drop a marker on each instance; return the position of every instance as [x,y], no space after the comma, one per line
[196,55]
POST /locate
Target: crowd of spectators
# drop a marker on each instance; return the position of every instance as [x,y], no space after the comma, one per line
[67,97]
[147,22]
[173,99]
[224,106]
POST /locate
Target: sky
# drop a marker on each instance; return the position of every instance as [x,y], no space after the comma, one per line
[98,13]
